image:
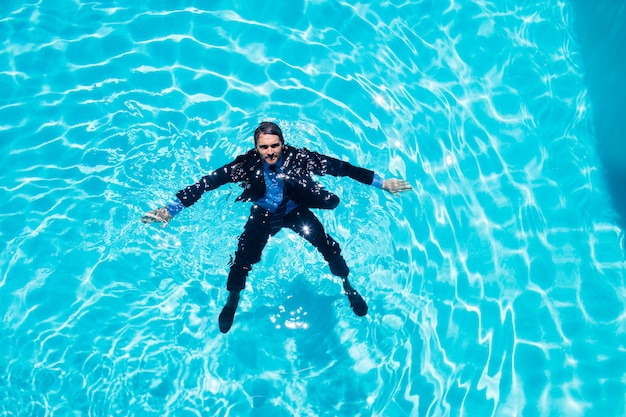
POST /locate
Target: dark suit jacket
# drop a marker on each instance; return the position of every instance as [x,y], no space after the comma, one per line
[299,164]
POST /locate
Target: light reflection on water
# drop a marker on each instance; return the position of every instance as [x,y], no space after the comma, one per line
[495,288]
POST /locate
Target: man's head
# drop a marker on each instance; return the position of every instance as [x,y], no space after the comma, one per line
[268,128]
[269,142]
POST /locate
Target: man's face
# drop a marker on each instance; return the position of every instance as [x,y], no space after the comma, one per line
[269,148]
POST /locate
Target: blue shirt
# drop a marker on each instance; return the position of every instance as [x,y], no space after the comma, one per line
[274,187]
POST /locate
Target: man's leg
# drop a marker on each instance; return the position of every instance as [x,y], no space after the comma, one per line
[306,224]
[249,248]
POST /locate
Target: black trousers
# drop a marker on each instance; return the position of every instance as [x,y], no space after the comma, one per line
[258,230]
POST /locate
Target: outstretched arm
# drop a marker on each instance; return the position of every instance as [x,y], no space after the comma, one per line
[395,186]
[188,196]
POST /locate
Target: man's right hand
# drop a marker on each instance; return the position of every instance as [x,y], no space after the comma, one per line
[160,215]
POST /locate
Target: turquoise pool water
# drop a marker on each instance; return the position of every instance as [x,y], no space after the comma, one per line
[496,287]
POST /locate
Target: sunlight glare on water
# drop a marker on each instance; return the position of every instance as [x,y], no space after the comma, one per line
[496,286]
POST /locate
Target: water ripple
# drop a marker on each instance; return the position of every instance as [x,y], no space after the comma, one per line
[504,254]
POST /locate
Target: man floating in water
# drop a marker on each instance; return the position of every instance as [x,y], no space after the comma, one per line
[277,179]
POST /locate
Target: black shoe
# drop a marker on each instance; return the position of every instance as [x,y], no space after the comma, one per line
[357,302]
[228,312]
[226,318]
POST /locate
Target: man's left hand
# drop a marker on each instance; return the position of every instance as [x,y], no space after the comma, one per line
[395,186]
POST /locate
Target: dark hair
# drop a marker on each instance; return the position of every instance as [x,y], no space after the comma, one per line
[268,128]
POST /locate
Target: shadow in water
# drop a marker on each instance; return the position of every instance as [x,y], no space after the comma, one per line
[298,351]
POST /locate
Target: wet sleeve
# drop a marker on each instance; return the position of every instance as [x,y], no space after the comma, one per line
[189,195]
[174,207]
[378,181]
[235,171]
[231,172]
[338,168]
